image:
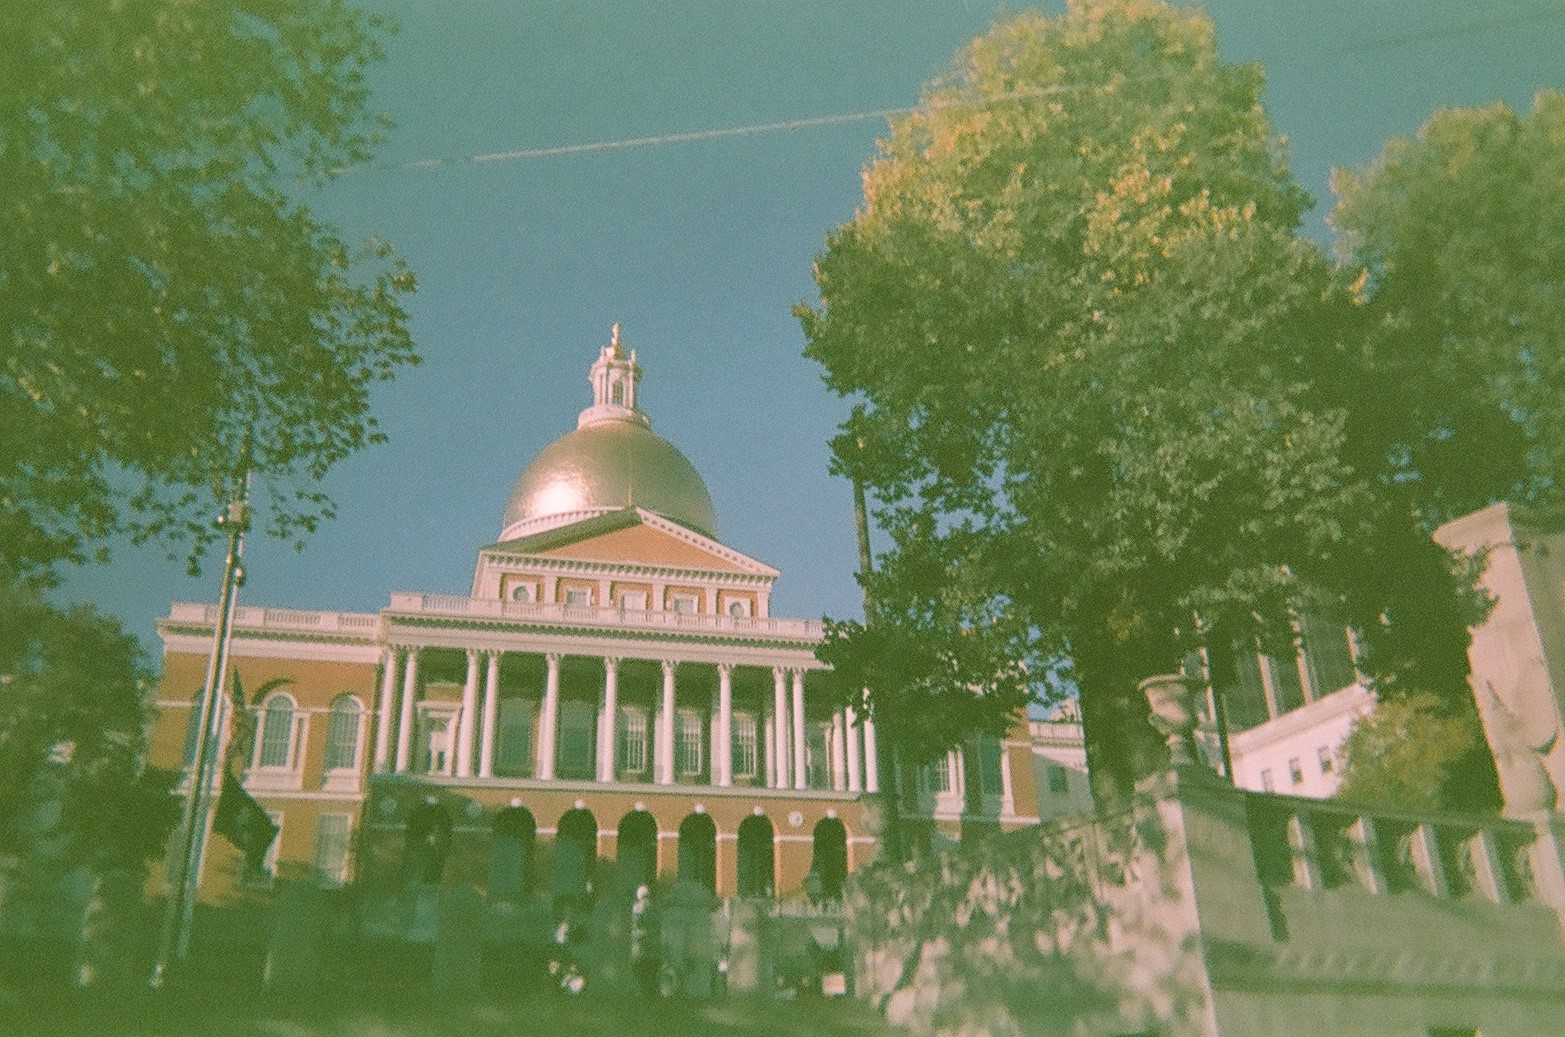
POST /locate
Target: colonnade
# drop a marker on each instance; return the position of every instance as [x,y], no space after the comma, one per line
[850,743]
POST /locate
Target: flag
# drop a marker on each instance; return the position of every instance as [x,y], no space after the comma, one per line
[240,820]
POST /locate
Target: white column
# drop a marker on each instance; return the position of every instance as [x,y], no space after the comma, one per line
[607,713]
[388,699]
[724,750]
[664,749]
[405,721]
[839,762]
[486,738]
[871,757]
[800,769]
[464,726]
[851,734]
[779,777]
[549,719]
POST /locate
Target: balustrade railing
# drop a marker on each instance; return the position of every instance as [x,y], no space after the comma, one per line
[1324,845]
[591,615]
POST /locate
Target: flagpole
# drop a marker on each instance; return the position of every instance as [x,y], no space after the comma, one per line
[196,817]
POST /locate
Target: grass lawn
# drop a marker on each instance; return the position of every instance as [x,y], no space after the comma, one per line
[410,1013]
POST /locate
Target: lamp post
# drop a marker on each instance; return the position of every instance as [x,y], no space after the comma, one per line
[196,818]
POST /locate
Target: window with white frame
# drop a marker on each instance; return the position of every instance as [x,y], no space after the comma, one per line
[576,744]
[632,754]
[817,760]
[513,755]
[344,724]
[744,745]
[934,777]
[633,601]
[333,837]
[275,748]
[687,742]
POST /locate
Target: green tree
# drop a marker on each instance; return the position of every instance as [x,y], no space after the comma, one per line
[1411,753]
[1079,326]
[74,705]
[165,295]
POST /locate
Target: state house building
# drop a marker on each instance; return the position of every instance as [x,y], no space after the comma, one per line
[614,687]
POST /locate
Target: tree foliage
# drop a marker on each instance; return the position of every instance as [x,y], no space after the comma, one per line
[164,293]
[1079,323]
[74,702]
[1113,408]
[1410,753]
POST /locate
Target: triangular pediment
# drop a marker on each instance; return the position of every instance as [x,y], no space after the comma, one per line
[634,537]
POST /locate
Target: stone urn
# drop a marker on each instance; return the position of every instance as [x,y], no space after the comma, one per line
[1171,697]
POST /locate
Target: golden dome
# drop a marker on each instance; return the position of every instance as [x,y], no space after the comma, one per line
[606,466]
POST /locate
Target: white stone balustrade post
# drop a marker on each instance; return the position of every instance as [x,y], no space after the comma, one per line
[607,718]
[388,699]
[549,720]
[723,751]
[801,771]
[839,759]
[850,720]
[465,725]
[491,716]
[779,777]
[871,757]
[665,734]
[405,720]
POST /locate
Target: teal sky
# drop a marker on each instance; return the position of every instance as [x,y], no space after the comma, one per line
[700,248]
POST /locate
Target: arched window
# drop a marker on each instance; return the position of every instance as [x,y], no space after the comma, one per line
[638,847]
[274,747]
[687,743]
[632,754]
[744,745]
[575,853]
[757,857]
[511,854]
[343,725]
[829,861]
[698,851]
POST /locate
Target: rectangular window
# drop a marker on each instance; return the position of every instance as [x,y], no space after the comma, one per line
[687,744]
[817,763]
[1328,759]
[576,742]
[578,597]
[991,781]
[744,739]
[1267,783]
[685,604]
[633,601]
[332,835]
[513,756]
[1329,654]
[1296,771]
[632,741]
[1236,673]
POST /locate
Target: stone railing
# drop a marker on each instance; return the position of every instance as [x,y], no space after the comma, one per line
[1325,845]
[453,606]
[359,624]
